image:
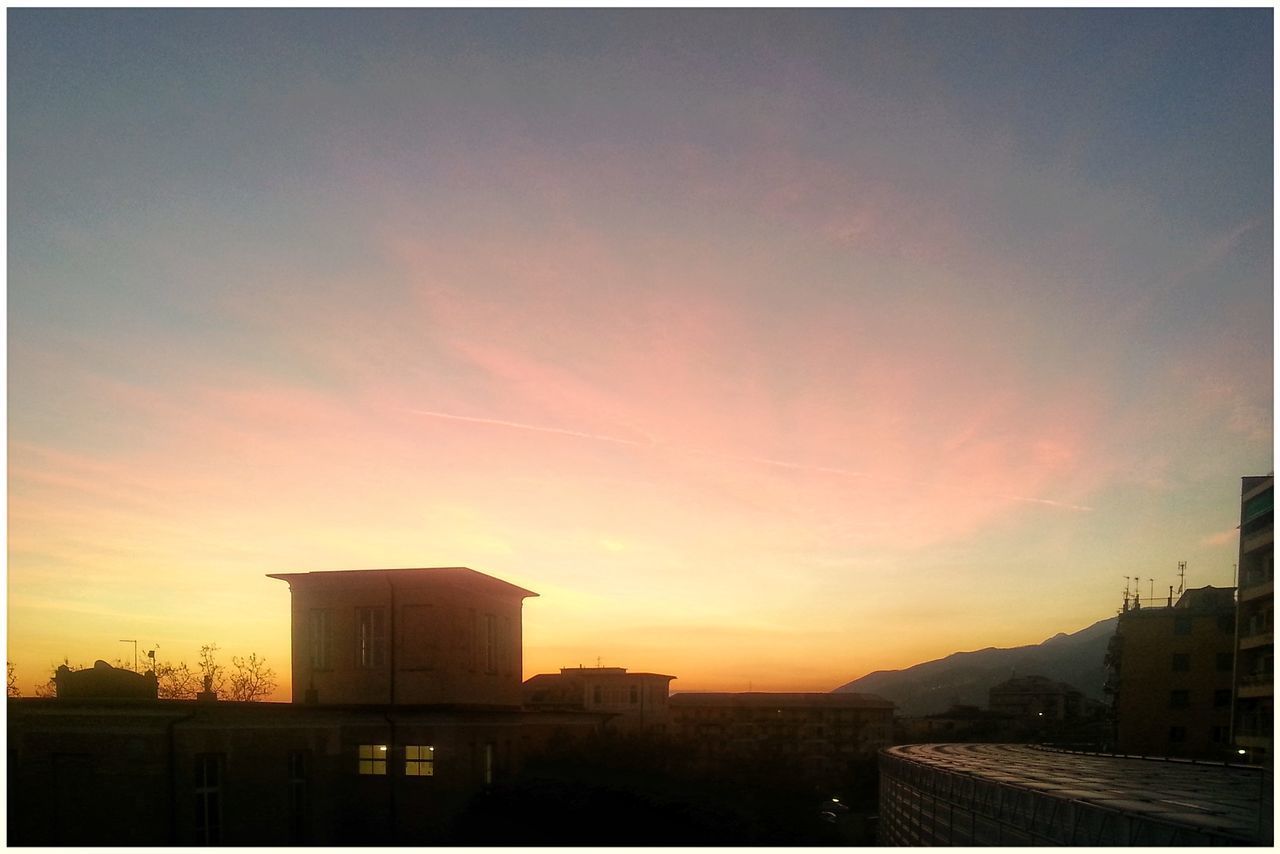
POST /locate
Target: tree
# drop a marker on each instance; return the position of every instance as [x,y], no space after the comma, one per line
[11,680]
[251,678]
[176,681]
[212,675]
[50,688]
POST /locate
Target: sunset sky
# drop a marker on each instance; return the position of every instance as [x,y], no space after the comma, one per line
[769,348]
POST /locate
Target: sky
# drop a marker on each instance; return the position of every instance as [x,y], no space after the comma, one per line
[769,348]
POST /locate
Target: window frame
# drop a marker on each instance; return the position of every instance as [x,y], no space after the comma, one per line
[371,637]
[419,760]
[371,760]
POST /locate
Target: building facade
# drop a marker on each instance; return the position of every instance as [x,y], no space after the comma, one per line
[820,735]
[1037,697]
[434,635]
[636,700]
[1255,694]
[1171,676]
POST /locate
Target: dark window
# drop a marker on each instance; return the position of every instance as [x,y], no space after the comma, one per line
[1222,698]
[1179,699]
[319,639]
[1181,662]
[597,695]
[298,796]
[1177,733]
[1223,662]
[1219,735]
[372,624]
[1182,625]
[1227,624]
[490,643]
[635,695]
[488,764]
[209,799]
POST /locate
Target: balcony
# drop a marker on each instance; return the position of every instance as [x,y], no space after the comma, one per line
[1250,591]
[1255,685]
[1257,639]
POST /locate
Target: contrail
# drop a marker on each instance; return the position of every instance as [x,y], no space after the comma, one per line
[764,461]
[534,427]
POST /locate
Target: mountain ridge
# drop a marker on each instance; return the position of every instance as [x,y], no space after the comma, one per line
[966,677]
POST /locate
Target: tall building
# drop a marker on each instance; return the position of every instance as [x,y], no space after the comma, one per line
[636,700]
[1170,676]
[405,636]
[1254,656]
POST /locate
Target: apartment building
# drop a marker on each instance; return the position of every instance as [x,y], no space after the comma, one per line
[635,699]
[1255,650]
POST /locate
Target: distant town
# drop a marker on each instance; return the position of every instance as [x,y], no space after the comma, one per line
[410,724]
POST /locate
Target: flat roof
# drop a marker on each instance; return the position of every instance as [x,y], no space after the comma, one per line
[454,574]
[793,700]
[1200,795]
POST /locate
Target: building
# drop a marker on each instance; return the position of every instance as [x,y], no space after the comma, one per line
[410,709]
[960,722]
[637,700]
[1255,693]
[1170,676]
[394,636]
[820,735]
[1037,697]
[1004,794]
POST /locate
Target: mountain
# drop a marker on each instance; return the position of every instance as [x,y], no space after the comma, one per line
[965,677]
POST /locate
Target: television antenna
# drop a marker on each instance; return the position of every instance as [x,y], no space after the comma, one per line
[1182,575]
[135,653]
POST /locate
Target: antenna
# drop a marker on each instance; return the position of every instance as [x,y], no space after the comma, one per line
[135,653]
[1182,576]
[1152,596]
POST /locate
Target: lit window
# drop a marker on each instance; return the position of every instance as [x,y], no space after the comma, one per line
[419,760]
[372,636]
[373,759]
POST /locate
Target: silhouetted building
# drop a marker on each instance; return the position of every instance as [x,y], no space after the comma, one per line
[960,723]
[1255,653]
[414,677]
[435,635]
[1037,697]
[102,681]
[636,699]
[1170,676]
[819,733]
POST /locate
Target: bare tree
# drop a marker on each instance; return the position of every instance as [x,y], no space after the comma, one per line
[175,681]
[212,675]
[50,688]
[251,678]
[11,681]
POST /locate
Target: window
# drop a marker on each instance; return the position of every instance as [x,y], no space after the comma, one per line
[1182,625]
[209,799]
[1179,699]
[373,759]
[597,695]
[372,623]
[1222,698]
[1223,662]
[635,695]
[1181,662]
[1219,735]
[419,760]
[1177,733]
[320,658]
[490,643]
[298,796]
[488,764]
[1227,624]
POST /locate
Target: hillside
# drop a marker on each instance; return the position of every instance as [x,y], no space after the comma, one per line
[965,677]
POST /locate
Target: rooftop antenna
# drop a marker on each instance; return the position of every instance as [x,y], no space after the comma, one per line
[597,662]
[1126,593]
[135,653]
[1152,596]
[1182,576]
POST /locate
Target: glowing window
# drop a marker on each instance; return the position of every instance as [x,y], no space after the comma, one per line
[373,759]
[419,760]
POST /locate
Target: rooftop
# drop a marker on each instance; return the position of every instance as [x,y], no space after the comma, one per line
[763,699]
[1200,795]
[460,575]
